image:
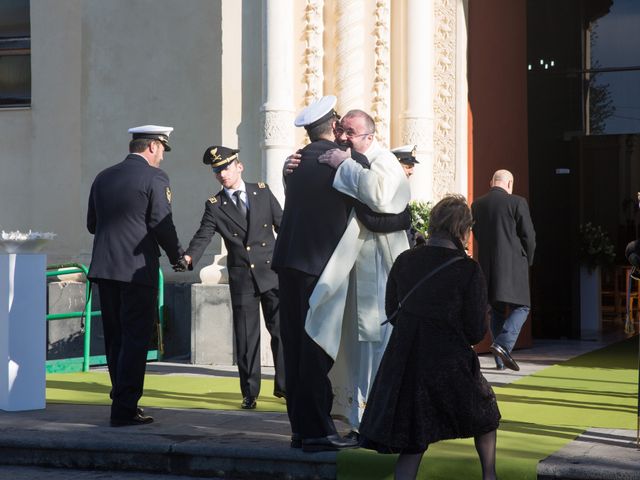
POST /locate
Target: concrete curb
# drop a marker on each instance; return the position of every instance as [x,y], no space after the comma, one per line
[597,454]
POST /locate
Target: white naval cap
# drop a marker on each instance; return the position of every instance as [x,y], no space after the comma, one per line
[154,132]
[318,112]
[406,153]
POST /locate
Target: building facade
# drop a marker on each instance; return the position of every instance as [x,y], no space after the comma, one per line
[221,72]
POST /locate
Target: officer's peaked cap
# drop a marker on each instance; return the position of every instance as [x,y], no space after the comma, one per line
[318,112]
[406,154]
[219,157]
[153,132]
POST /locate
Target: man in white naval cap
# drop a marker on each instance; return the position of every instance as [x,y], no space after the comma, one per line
[406,155]
[314,219]
[129,215]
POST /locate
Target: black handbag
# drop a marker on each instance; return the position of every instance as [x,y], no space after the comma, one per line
[422,280]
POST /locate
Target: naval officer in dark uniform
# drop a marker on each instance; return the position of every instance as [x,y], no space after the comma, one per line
[129,215]
[245,215]
[406,155]
[315,218]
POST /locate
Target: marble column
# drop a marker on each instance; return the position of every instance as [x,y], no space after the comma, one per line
[350,65]
[417,117]
[277,90]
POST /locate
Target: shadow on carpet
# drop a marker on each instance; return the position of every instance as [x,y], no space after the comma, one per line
[162,391]
[540,414]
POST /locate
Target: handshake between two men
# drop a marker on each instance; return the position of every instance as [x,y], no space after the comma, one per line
[183,264]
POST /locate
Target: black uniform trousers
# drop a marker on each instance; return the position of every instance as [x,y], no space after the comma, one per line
[309,393]
[246,328]
[128,318]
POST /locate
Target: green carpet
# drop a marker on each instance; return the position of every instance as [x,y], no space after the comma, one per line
[540,414]
[160,390]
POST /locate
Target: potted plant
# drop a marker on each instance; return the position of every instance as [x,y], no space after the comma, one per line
[594,251]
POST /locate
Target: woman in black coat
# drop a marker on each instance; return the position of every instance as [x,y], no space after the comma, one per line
[429,386]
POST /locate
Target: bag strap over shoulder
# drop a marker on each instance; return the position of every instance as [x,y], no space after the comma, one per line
[422,280]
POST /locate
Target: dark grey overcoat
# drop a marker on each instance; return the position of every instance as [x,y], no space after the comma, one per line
[506,243]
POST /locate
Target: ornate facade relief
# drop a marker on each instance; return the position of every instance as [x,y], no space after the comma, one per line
[444,101]
[381,84]
[314,50]
[415,131]
[277,128]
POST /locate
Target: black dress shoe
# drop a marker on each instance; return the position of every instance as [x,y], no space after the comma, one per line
[330,443]
[501,352]
[140,411]
[296,441]
[137,419]
[353,435]
[279,394]
[248,403]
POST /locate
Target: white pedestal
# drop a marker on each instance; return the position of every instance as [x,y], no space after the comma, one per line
[590,306]
[22,331]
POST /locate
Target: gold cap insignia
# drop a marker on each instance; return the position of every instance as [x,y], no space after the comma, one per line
[167,192]
[413,152]
[216,157]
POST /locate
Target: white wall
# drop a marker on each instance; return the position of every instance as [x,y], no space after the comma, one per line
[99,68]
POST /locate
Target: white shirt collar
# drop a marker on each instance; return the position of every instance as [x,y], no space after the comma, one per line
[242,187]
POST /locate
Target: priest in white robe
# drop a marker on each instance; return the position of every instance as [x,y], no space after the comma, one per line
[346,308]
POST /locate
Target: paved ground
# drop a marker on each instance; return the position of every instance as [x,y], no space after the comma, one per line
[239,444]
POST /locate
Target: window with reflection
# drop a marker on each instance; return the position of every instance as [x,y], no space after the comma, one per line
[15,53]
[612,73]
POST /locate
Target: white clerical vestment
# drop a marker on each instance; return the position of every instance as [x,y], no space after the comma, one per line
[346,308]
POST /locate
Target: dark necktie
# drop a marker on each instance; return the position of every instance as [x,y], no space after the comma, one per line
[240,204]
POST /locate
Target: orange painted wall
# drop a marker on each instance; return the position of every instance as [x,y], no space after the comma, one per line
[498,90]
[497,69]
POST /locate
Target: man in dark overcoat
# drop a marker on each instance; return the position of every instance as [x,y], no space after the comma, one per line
[506,243]
[245,215]
[129,215]
[315,218]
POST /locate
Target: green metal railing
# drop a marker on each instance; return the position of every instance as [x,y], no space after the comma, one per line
[83,363]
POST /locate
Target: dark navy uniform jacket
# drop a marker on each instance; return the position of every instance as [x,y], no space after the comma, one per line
[249,243]
[130,215]
[315,214]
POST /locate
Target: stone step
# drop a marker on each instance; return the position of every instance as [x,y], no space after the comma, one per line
[225,445]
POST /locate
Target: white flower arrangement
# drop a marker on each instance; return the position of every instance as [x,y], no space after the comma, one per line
[420,214]
[24,242]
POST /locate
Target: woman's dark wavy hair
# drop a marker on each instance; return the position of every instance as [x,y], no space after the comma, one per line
[451,215]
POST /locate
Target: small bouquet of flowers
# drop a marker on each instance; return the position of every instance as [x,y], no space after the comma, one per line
[420,214]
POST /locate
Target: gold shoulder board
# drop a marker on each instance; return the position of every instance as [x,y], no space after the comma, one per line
[261,185]
[213,199]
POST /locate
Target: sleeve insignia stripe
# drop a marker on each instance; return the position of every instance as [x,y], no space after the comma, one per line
[167,191]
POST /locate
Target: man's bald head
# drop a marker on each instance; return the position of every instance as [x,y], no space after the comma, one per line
[503,179]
